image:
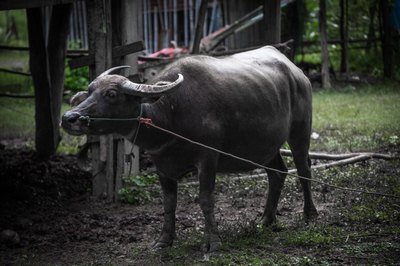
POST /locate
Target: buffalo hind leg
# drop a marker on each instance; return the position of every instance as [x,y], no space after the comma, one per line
[299,143]
[206,175]
[275,184]
[169,188]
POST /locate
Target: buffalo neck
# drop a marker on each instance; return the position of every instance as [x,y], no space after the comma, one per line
[149,138]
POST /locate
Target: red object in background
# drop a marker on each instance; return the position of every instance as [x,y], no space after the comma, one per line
[170,52]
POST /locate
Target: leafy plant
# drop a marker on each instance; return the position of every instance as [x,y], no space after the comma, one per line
[137,189]
[76,79]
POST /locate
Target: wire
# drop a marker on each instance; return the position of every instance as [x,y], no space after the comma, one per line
[148,122]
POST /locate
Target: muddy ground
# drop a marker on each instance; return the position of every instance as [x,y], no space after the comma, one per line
[48,218]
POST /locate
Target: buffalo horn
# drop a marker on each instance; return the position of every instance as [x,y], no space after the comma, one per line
[112,70]
[147,90]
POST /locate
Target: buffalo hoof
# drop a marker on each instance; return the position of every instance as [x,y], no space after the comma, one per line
[274,226]
[159,245]
[212,243]
[268,221]
[164,241]
[310,214]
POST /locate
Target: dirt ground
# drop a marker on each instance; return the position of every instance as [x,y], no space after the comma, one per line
[48,217]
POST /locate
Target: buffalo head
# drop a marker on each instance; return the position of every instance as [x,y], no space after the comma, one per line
[109,98]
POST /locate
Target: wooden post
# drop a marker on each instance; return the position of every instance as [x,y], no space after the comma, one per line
[57,51]
[100,45]
[38,66]
[272,21]
[47,68]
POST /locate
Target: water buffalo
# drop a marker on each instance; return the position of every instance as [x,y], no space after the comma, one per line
[247,104]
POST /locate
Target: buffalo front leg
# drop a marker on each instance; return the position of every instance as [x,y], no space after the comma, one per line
[275,184]
[169,188]
[206,174]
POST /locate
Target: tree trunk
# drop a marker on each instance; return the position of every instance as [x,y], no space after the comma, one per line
[371,26]
[326,82]
[386,38]
[272,21]
[344,64]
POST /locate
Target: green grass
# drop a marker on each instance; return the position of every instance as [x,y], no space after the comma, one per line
[14,83]
[17,120]
[349,119]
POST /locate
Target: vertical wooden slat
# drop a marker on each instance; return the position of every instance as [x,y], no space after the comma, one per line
[145,22]
[165,28]
[131,31]
[186,23]
[191,18]
[175,27]
[85,33]
[213,16]
[199,26]
[155,28]
[97,183]
[119,172]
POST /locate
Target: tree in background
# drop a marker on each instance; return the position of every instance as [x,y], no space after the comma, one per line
[386,39]
[326,81]
[344,61]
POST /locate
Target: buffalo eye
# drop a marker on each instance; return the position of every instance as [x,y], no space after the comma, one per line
[111,93]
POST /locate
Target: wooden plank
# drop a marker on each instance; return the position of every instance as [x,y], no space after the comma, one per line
[14,72]
[98,184]
[110,172]
[127,49]
[272,21]
[117,51]
[132,32]
[22,4]
[119,172]
[131,159]
[99,26]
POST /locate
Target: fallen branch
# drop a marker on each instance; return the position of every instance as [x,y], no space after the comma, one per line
[13,95]
[336,157]
[340,160]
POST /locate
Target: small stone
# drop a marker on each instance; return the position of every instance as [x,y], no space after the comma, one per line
[10,237]
[315,135]
[24,223]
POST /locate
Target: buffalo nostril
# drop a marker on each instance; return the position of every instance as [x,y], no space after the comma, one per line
[71,117]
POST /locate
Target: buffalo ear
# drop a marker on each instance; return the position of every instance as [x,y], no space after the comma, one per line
[78,98]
